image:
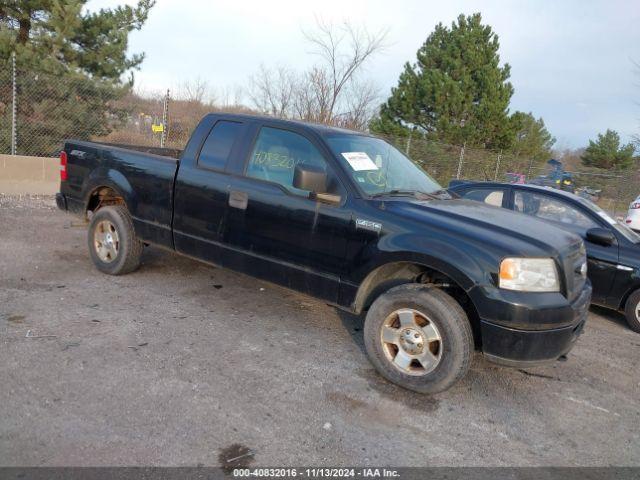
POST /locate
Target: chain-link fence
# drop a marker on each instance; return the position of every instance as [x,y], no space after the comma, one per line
[39,110]
[613,191]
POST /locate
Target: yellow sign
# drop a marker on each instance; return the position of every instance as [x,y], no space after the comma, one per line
[157,128]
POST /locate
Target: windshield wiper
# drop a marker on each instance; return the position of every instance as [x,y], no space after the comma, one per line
[442,194]
[394,192]
[397,192]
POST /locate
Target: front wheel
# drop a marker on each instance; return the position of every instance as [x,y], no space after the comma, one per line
[419,337]
[113,245]
[632,311]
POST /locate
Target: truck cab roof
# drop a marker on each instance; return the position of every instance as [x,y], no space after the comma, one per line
[318,128]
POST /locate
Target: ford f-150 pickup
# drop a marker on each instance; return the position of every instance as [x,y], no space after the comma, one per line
[346,218]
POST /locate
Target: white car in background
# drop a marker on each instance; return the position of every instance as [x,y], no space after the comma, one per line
[633,215]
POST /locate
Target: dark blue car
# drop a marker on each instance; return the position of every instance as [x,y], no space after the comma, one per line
[613,250]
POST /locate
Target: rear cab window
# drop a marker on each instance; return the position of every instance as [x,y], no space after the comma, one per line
[215,151]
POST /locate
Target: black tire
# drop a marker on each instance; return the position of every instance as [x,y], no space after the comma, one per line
[631,309]
[128,247]
[455,347]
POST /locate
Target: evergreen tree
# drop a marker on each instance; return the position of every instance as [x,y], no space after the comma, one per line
[606,152]
[71,65]
[456,92]
[532,140]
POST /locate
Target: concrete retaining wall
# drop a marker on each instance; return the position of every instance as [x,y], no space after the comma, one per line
[20,174]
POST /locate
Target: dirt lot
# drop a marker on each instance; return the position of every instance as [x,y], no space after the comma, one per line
[185,364]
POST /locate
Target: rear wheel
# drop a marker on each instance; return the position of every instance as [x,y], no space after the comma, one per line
[632,311]
[419,337]
[113,245]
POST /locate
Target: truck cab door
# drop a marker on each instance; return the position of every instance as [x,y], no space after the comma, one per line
[281,233]
[202,190]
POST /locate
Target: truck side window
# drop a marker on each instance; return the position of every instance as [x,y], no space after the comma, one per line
[550,208]
[486,195]
[217,146]
[276,154]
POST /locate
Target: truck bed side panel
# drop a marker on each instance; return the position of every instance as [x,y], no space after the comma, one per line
[144,180]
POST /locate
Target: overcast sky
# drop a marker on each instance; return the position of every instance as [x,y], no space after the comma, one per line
[571,61]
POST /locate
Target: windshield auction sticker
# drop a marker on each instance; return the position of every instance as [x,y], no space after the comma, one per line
[359,161]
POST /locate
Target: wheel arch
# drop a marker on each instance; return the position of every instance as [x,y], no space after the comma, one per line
[108,187]
[101,196]
[391,274]
[630,291]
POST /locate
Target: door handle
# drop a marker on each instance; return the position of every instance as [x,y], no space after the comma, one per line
[238,199]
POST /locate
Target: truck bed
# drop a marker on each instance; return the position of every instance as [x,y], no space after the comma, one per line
[163,152]
[139,173]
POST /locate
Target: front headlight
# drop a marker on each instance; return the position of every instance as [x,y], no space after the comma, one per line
[529,275]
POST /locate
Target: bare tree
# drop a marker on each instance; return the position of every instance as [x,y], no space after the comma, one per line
[311,96]
[271,91]
[238,95]
[230,97]
[197,91]
[361,104]
[343,51]
[330,91]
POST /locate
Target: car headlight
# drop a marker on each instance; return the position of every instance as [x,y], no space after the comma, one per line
[529,275]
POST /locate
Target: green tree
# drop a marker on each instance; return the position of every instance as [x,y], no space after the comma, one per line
[71,66]
[606,152]
[456,92]
[531,140]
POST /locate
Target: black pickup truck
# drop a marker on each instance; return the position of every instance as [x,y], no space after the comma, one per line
[346,218]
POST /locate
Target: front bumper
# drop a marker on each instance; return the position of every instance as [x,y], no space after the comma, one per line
[523,335]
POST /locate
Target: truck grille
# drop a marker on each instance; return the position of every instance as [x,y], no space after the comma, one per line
[575,270]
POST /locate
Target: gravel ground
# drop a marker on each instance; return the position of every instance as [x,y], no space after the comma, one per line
[185,364]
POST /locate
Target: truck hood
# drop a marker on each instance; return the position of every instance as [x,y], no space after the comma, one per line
[513,232]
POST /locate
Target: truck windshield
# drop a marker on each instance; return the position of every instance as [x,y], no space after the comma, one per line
[378,168]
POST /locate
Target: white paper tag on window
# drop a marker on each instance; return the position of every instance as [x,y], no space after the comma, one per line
[359,161]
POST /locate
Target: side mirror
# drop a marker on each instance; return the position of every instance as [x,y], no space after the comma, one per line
[310,178]
[314,180]
[601,236]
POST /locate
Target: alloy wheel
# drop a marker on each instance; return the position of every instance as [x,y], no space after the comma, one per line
[411,342]
[106,241]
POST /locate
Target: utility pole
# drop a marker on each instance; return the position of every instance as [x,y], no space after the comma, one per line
[460,160]
[165,110]
[618,194]
[408,143]
[530,168]
[495,177]
[14,108]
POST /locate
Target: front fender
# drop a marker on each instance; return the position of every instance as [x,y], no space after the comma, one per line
[387,262]
[621,301]
[465,263]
